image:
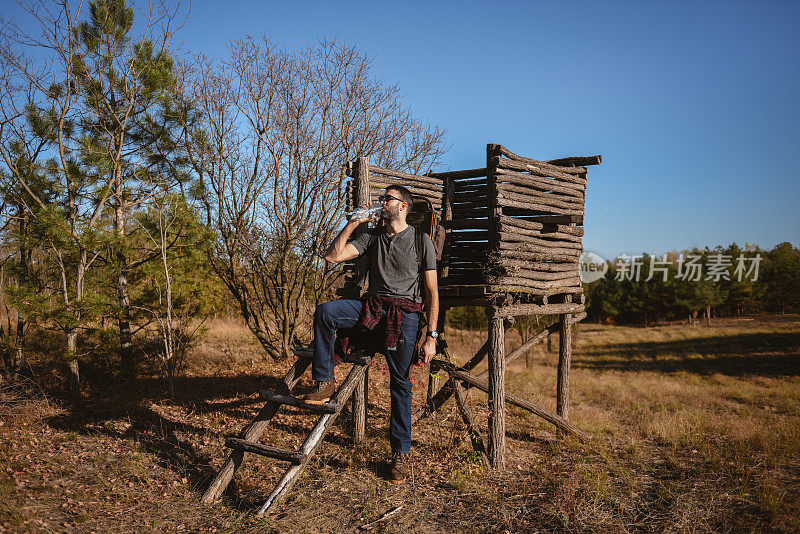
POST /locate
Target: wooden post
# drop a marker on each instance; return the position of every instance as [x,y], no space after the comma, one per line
[497,400]
[447,216]
[495,211]
[564,357]
[361,182]
[359,406]
[497,361]
[360,198]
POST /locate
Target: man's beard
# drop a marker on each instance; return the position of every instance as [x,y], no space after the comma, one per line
[389,214]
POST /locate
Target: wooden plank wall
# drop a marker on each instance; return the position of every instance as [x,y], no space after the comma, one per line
[537,222]
[539,242]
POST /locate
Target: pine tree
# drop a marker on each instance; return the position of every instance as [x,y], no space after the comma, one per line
[126,82]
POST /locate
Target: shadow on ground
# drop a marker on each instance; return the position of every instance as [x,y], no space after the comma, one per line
[131,410]
[762,354]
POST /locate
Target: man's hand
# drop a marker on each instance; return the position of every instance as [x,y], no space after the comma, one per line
[361,220]
[375,217]
[428,350]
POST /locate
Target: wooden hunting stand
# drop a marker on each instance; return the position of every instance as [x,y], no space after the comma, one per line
[510,238]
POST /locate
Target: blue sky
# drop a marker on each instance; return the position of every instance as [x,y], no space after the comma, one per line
[693,105]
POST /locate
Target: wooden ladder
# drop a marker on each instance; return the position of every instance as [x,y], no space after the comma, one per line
[281,395]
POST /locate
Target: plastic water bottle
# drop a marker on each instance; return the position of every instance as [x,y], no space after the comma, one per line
[363,213]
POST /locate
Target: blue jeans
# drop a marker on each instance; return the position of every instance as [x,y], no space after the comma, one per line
[336,314]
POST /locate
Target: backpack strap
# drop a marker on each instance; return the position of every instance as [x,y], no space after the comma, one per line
[419,244]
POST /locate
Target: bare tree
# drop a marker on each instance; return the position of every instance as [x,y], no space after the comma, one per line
[171,227]
[269,131]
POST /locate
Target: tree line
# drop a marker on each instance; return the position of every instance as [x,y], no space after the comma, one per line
[144,187]
[689,285]
[697,283]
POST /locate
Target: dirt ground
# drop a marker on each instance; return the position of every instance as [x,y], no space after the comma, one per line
[696,429]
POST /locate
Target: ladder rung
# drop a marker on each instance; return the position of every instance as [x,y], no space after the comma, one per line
[327,407]
[263,450]
[358,359]
[303,352]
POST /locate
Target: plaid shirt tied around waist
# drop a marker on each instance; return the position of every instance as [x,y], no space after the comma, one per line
[373,308]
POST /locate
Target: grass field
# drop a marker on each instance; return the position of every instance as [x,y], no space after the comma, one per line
[696,429]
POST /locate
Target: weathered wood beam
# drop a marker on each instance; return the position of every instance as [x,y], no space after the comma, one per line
[510,234]
[540,197]
[535,283]
[554,219]
[531,274]
[569,266]
[541,194]
[548,184]
[459,175]
[263,450]
[359,408]
[538,309]
[512,252]
[507,153]
[298,403]
[544,413]
[553,231]
[381,182]
[564,361]
[577,161]
[541,169]
[407,176]
[497,393]
[540,205]
[469,420]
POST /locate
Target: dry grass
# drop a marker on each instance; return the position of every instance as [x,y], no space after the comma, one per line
[697,430]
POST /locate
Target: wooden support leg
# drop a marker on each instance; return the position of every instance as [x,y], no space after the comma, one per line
[433,386]
[446,391]
[360,408]
[564,357]
[441,348]
[497,401]
[469,420]
[481,383]
[254,431]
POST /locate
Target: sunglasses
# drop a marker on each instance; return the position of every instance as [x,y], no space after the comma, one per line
[386,198]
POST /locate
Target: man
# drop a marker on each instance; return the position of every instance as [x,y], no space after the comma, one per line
[394,294]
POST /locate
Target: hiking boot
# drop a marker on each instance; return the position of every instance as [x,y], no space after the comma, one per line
[323,391]
[397,472]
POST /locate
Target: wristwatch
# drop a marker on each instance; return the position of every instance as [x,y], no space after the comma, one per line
[433,333]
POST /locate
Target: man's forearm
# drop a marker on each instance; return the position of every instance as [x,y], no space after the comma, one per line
[432,308]
[336,248]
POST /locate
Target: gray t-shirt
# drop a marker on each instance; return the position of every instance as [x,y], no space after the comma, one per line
[393,269]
